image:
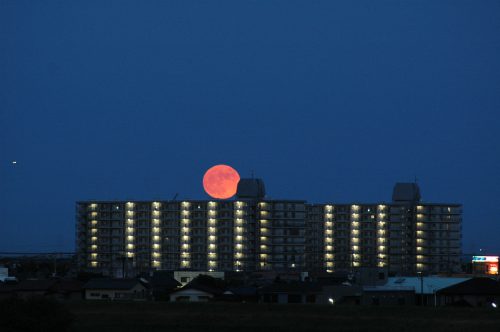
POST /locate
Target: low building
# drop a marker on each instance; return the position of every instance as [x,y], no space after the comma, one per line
[387,295]
[162,284]
[476,292]
[341,294]
[185,277]
[193,292]
[291,292]
[240,294]
[4,273]
[425,288]
[116,289]
[59,289]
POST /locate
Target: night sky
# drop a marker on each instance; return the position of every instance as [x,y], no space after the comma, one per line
[327,101]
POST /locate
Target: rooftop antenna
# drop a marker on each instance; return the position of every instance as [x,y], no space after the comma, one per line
[251,172]
[175,196]
[415,179]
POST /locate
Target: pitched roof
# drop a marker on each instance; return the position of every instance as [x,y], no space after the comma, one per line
[197,286]
[430,284]
[104,283]
[475,286]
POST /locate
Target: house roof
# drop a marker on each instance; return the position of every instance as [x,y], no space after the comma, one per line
[163,280]
[475,286]
[105,283]
[430,284]
[203,288]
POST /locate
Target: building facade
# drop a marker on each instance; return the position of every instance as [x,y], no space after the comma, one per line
[405,236]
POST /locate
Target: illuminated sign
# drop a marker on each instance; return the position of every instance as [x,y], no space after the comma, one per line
[485,259]
[492,268]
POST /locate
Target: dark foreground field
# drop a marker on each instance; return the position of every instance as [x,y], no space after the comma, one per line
[123,317]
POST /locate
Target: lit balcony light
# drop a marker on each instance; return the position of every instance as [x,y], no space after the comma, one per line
[94,238]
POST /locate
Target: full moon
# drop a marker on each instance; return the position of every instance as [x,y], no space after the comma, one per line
[221,181]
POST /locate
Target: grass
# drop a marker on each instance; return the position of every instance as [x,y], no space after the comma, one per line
[220,317]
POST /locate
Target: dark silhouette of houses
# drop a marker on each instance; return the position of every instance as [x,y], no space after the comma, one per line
[291,292]
[60,289]
[476,292]
[116,289]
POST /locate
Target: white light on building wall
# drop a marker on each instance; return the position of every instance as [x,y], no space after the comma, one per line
[238,235]
[212,237]
[185,235]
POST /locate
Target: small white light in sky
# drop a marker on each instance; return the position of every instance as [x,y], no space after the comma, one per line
[493,304]
[14,162]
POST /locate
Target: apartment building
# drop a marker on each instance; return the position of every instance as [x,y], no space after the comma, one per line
[251,233]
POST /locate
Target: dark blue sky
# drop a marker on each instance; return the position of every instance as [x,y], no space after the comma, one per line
[325,100]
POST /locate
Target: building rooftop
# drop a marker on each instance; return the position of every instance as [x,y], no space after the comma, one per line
[430,284]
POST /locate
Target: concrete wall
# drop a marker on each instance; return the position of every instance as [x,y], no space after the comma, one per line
[137,292]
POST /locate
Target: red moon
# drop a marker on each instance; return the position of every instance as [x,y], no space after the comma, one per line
[221,181]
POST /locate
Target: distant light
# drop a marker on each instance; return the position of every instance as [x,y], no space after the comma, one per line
[492,259]
[331,300]
[493,304]
[14,162]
